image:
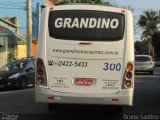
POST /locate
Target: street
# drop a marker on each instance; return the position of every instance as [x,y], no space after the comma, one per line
[20,103]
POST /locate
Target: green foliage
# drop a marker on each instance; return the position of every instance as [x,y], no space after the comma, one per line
[156,43]
[10,57]
[148,21]
[141,47]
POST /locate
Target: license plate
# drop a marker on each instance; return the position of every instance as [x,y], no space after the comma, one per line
[83,81]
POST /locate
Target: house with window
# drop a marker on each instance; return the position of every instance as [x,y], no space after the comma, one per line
[12,44]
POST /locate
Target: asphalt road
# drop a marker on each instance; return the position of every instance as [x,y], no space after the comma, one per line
[19,104]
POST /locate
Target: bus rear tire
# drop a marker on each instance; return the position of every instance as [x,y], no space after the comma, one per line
[118,110]
[54,106]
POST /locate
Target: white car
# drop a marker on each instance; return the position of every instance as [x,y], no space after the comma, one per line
[144,63]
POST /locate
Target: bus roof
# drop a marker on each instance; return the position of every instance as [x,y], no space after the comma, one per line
[88,4]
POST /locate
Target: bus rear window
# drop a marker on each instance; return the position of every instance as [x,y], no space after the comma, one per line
[86,25]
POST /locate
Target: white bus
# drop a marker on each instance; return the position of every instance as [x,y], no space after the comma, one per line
[85,56]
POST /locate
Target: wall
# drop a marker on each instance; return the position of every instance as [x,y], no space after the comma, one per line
[21,51]
[3,57]
[3,53]
[10,41]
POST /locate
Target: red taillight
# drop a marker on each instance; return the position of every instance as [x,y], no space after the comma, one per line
[150,63]
[128,83]
[40,80]
[123,11]
[50,97]
[115,99]
[51,8]
[128,75]
[40,64]
[40,72]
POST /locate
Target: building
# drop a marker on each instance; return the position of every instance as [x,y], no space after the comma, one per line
[12,44]
[51,2]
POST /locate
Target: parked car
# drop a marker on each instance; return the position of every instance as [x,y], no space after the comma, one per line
[18,73]
[157,62]
[144,63]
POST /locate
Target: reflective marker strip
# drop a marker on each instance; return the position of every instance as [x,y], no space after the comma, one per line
[115,99]
[50,97]
[85,43]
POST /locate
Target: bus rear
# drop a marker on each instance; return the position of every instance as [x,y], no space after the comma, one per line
[85,55]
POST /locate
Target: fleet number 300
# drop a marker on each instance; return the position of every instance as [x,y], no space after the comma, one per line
[112,66]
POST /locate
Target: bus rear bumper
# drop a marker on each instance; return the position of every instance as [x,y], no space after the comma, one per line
[45,95]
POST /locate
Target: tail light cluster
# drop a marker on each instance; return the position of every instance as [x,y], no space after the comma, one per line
[151,63]
[41,78]
[128,77]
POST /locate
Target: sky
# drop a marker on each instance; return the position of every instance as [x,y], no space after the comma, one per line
[12,8]
[139,6]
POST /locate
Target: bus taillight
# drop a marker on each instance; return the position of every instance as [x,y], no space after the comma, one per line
[128,77]
[40,72]
[151,63]
[128,83]
[40,63]
[41,78]
[129,67]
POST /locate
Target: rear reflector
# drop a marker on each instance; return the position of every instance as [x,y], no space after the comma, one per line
[85,43]
[115,99]
[50,97]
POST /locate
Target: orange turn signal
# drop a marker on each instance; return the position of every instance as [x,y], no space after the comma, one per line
[129,67]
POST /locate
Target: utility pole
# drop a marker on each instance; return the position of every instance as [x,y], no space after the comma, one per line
[29,28]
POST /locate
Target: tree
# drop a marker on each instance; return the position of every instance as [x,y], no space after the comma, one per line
[156,43]
[138,47]
[10,57]
[149,21]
